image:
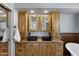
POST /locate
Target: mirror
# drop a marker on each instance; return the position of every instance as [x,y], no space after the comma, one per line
[33,23]
[45,23]
[3,19]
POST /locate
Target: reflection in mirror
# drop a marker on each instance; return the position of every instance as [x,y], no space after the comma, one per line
[45,23]
[3,21]
[33,23]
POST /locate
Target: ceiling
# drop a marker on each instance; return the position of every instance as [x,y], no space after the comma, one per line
[40,7]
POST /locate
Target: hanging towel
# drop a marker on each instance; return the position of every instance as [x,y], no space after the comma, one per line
[5,36]
[17,37]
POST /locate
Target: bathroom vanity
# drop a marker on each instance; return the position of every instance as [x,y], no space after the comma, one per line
[43,48]
[39,35]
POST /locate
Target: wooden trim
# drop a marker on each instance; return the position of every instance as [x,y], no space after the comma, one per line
[49,23]
[41,22]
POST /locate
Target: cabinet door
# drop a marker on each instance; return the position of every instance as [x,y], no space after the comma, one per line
[4,49]
[43,49]
[59,49]
[32,49]
[55,25]
[51,49]
[23,24]
[47,49]
[20,49]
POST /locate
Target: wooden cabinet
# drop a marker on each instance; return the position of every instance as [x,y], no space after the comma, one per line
[39,48]
[59,48]
[43,49]
[55,25]
[51,49]
[23,24]
[3,49]
[20,49]
[47,49]
[32,49]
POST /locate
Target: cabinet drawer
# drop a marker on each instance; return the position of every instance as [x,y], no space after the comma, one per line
[31,49]
[19,51]
[19,45]
[4,48]
[4,45]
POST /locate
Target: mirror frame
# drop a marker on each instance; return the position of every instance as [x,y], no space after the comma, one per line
[33,30]
[45,30]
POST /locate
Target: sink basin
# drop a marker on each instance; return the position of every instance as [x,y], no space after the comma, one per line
[46,38]
[32,38]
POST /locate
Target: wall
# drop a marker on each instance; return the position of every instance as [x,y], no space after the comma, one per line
[68,23]
[77,15]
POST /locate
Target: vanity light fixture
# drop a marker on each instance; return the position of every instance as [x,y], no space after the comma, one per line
[32,11]
[46,11]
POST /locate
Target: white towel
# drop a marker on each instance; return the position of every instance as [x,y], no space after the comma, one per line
[17,37]
[5,36]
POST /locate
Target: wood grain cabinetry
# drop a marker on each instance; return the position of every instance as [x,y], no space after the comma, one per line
[55,25]
[32,49]
[47,49]
[39,49]
[51,49]
[43,49]
[59,49]
[20,49]
[22,24]
[3,49]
